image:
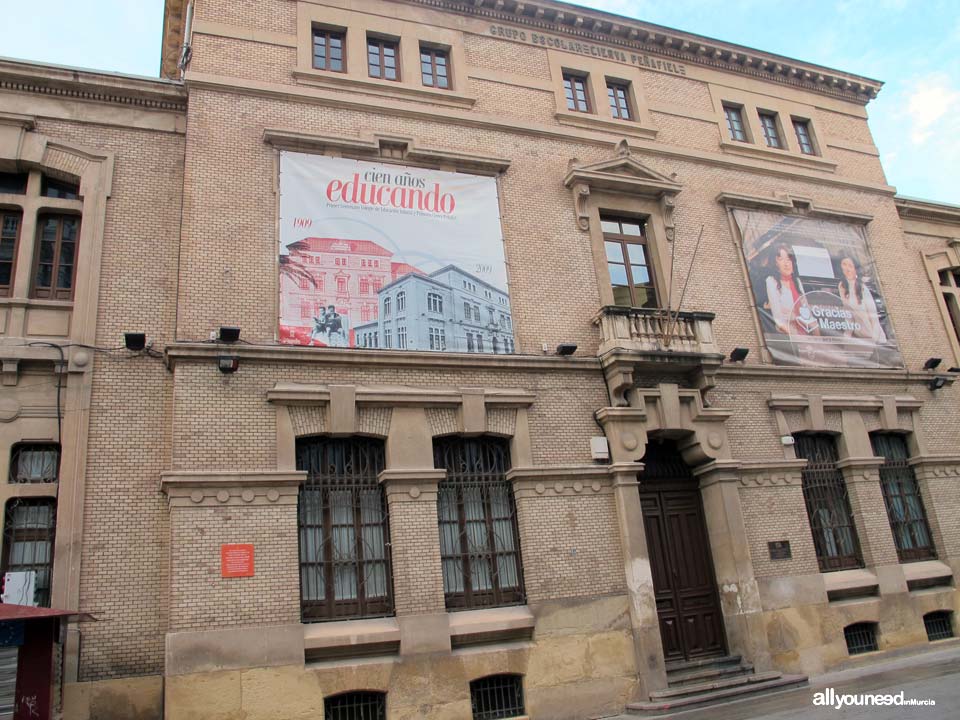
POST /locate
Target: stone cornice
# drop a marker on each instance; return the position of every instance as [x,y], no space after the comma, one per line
[792,205]
[842,402]
[915,209]
[214,488]
[384,148]
[602,27]
[92,86]
[399,396]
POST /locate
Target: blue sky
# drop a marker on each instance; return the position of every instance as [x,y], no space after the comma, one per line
[911,45]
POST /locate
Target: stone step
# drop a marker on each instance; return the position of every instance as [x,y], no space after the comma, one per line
[730,682]
[655,708]
[706,674]
[679,666]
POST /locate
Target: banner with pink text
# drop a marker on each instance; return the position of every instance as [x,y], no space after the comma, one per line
[815,287]
[390,257]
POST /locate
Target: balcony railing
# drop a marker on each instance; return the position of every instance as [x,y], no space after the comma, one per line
[655,331]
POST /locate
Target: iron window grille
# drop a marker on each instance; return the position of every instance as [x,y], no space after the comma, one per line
[496,697]
[35,463]
[328,47]
[362,705]
[734,117]
[9,240]
[479,547]
[435,68]
[345,567]
[575,89]
[901,495]
[828,505]
[768,123]
[629,262]
[861,638]
[939,625]
[619,96]
[29,530]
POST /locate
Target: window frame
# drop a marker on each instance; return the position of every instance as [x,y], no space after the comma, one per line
[42,590]
[383,44]
[53,292]
[328,34]
[7,290]
[570,78]
[356,705]
[896,473]
[433,53]
[625,241]
[804,138]
[771,130]
[618,112]
[737,111]
[13,476]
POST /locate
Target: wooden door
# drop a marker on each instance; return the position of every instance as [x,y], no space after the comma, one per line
[688,605]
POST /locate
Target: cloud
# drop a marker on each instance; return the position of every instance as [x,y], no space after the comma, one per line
[932,105]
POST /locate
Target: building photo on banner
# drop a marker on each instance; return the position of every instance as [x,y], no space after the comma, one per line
[815,289]
[390,257]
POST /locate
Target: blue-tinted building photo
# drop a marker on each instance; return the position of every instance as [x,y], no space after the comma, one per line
[449,309]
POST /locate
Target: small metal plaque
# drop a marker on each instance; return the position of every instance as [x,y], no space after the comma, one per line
[779,550]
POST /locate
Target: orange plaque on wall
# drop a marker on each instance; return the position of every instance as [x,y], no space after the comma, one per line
[236,561]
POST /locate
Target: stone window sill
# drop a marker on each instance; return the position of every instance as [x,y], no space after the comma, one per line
[383,88]
[493,625]
[777,155]
[850,584]
[630,128]
[351,638]
[927,574]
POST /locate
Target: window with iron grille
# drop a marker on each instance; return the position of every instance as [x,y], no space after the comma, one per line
[55,259]
[618,94]
[345,569]
[575,89]
[28,534]
[382,58]
[435,67]
[828,506]
[362,705]
[479,545]
[734,117]
[861,638]
[328,50]
[35,463]
[901,495]
[496,697]
[768,123]
[804,139]
[9,240]
[939,625]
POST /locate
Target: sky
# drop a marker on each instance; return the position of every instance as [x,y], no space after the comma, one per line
[910,45]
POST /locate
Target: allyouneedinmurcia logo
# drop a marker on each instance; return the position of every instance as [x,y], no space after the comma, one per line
[829,697]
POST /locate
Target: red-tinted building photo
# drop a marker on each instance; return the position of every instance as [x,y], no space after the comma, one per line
[328,286]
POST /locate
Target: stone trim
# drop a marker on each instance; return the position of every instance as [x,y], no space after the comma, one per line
[384,148]
[564,480]
[196,651]
[471,627]
[186,489]
[914,208]
[397,396]
[792,205]
[347,638]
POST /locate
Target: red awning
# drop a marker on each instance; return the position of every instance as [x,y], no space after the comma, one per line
[28,612]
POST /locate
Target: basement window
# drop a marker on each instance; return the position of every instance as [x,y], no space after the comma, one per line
[939,625]
[496,697]
[361,705]
[861,638]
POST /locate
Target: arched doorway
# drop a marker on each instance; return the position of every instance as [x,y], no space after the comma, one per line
[684,582]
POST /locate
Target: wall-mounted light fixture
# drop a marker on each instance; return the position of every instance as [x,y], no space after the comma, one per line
[134,341]
[566,348]
[739,354]
[229,334]
[932,363]
[228,363]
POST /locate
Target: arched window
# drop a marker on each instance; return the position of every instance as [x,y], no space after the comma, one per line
[939,625]
[434,303]
[386,307]
[828,506]
[479,546]
[901,495]
[401,301]
[357,705]
[497,696]
[345,569]
[861,637]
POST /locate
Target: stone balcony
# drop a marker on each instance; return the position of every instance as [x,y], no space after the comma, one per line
[638,340]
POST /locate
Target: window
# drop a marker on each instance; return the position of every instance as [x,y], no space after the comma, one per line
[828,507]
[861,637]
[386,307]
[9,240]
[402,337]
[13,183]
[364,286]
[575,87]
[435,67]
[496,697]
[619,94]
[59,189]
[362,705]
[901,495]
[496,346]
[345,569]
[735,123]
[950,289]
[55,256]
[804,139]
[401,302]
[469,342]
[35,463]
[939,625]
[28,534]
[342,284]
[476,314]
[434,303]
[328,46]
[479,342]
[479,550]
[438,340]
[382,59]
[387,339]
[467,312]
[768,123]
[628,261]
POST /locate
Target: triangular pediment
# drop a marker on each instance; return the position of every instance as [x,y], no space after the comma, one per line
[622,173]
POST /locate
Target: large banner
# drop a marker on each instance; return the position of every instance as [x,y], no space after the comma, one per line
[815,288]
[390,257]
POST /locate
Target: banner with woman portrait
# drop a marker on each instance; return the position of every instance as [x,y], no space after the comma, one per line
[815,287]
